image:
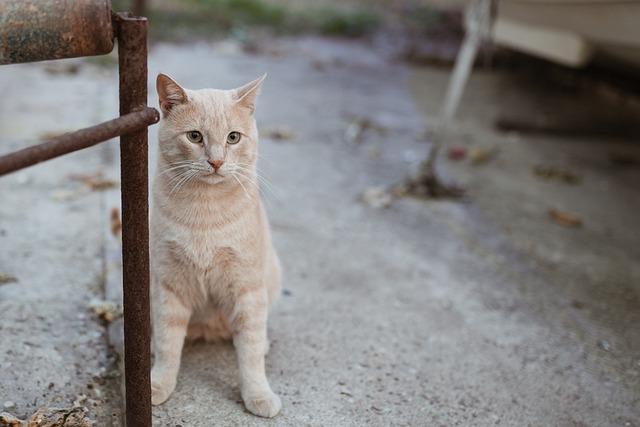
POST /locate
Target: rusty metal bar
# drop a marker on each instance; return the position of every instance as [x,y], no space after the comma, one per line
[78,140]
[36,30]
[132,53]
[139,7]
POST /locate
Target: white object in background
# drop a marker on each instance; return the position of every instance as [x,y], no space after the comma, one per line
[565,47]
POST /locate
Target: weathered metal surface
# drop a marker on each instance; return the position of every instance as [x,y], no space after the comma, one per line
[139,7]
[36,30]
[78,140]
[132,52]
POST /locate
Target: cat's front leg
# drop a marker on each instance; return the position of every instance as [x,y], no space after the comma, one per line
[249,326]
[170,322]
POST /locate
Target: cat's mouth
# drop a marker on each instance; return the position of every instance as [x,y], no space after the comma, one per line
[214,177]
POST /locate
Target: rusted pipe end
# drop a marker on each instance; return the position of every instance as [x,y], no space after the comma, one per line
[37,30]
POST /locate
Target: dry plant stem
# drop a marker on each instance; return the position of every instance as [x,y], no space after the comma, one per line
[428,183]
[478,21]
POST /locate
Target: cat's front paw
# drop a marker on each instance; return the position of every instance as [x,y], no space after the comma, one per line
[265,405]
[160,390]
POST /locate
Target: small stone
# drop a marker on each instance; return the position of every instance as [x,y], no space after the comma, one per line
[9,405]
[604,345]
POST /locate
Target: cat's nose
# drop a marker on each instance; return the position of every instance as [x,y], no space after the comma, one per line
[216,164]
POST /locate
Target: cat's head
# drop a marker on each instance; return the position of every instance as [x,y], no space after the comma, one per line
[208,135]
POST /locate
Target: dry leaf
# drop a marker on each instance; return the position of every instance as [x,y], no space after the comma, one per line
[457,153]
[64,195]
[50,417]
[281,133]
[9,420]
[550,172]
[95,182]
[565,218]
[480,155]
[106,310]
[60,67]
[400,190]
[7,278]
[98,184]
[377,197]
[116,224]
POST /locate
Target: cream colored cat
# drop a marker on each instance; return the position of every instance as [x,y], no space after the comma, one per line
[214,270]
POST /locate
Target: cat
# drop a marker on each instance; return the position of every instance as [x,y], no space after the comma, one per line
[214,270]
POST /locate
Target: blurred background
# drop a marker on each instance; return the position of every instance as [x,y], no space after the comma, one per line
[497,283]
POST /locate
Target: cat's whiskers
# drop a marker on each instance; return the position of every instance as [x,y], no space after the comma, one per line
[246,193]
[187,176]
[178,179]
[187,170]
[179,176]
[268,185]
[251,168]
[177,165]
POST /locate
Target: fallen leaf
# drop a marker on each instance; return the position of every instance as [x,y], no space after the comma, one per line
[565,218]
[105,310]
[280,133]
[377,197]
[95,182]
[457,153]
[116,224]
[59,67]
[50,417]
[550,172]
[7,278]
[64,195]
[98,184]
[481,155]
[400,190]
[8,420]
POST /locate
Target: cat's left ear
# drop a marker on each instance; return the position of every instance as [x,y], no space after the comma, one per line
[246,95]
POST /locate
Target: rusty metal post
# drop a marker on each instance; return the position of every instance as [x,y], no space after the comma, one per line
[139,7]
[132,51]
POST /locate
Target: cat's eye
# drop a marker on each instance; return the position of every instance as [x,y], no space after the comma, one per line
[194,136]
[233,138]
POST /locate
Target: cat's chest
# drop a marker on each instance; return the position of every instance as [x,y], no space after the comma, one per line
[208,250]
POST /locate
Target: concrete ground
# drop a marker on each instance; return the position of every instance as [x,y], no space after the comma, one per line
[54,350]
[476,312]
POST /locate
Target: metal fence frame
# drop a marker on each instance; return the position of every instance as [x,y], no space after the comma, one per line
[83,28]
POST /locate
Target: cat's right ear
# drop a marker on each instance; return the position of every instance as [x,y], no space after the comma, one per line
[170,93]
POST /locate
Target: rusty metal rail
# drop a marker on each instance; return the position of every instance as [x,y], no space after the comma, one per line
[78,140]
[37,30]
